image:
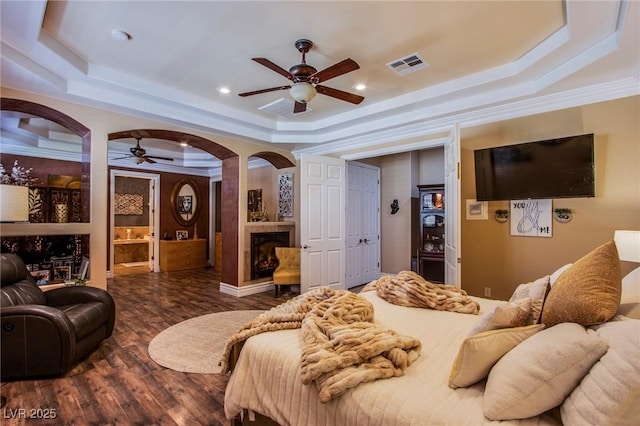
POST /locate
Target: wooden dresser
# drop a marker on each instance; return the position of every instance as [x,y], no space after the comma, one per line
[178,255]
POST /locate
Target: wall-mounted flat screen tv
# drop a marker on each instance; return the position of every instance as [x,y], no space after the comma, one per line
[553,168]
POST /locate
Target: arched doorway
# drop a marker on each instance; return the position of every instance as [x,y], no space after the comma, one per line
[230,190]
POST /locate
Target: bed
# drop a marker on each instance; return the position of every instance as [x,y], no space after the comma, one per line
[266,379]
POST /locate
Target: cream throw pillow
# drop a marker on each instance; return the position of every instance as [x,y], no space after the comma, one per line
[630,299]
[588,292]
[477,354]
[540,372]
[556,274]
[536,291]
[506,315]
[610,393]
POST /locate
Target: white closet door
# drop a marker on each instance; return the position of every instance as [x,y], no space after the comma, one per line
[363,224]
[322,222]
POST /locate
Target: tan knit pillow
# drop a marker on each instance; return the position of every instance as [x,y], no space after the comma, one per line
[588,292]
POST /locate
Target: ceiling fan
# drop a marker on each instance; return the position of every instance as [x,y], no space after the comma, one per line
[139,155]
[306,79]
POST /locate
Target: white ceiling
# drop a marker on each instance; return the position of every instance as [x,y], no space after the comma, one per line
[488,60]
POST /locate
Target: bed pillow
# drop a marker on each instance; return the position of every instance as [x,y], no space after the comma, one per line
[477,354]
[556,274]
[540,372]
[536,291]
[588,292]
[508,315]
[630,298]
[610,393]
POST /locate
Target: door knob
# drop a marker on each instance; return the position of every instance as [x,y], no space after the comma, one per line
[305,246]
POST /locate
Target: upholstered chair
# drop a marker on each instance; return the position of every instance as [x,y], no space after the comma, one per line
[47,333]
[288,270]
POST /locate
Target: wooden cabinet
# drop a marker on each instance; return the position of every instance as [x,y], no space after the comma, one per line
[432,237]
[178,255]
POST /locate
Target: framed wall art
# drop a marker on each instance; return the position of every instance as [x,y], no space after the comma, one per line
[186,202]
[285,194]
[62,273]
[477,210]
[531,218]
[41,276]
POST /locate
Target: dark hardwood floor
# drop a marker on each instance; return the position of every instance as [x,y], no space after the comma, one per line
[119,383]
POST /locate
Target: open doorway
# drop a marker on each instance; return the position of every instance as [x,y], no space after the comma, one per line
[134,219]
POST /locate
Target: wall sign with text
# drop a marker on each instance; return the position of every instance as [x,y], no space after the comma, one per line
[531,218]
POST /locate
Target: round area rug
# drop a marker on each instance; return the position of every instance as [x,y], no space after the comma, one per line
[196,345]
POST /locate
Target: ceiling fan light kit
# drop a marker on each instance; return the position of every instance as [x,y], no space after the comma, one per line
[302,92]
[306,79]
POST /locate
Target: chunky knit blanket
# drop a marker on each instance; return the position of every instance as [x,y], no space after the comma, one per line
[343,347]
[409,289]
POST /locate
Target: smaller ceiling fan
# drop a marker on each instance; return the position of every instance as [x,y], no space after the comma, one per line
[139,155]
[306,79]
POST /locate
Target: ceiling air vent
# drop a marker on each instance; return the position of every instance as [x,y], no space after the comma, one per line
[282,108]
[408,64]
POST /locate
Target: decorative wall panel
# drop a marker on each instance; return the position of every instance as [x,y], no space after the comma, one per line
[128,204]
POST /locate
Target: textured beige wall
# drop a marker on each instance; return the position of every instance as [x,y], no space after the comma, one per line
[395,230]
[431,167]
[491,257]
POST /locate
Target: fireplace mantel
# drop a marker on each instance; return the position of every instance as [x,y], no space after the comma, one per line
[269,225]
[258,227]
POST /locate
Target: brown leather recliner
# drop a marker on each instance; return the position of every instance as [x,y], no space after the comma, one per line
[47,333]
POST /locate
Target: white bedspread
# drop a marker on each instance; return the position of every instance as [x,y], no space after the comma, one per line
[267,378]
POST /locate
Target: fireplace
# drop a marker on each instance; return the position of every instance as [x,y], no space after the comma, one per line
[263,252]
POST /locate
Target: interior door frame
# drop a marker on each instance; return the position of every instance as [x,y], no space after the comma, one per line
[453,208]
[154,238]
[452,185]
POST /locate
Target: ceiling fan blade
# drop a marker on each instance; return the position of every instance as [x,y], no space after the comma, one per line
[339,94]
[257,92]
[335,70]
[273,67]
[299,107]
[158,158]
[122,158]
[149,160]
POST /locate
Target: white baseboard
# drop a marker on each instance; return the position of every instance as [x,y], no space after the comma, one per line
[246,290]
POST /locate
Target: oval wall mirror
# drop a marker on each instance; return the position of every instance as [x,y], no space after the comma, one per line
[185,202]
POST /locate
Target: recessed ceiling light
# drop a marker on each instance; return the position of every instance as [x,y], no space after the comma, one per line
[360,86]
[120,35]
[224,90]
[184,144]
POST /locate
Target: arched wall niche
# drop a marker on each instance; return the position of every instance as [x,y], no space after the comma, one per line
[38,110]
